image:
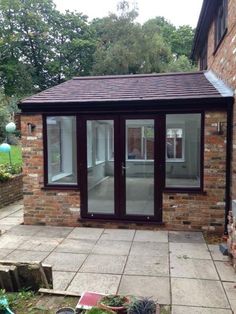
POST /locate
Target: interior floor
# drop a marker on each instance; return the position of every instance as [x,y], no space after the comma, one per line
[139,195]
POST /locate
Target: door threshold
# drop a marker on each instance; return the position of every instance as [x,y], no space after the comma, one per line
[127,224]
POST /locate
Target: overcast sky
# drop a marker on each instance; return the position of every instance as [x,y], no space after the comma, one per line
[179,12]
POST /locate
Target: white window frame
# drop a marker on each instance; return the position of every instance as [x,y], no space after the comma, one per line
[183,144]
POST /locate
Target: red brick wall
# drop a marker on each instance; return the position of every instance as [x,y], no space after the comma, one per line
[11,191]
[43,206]
[181,211]
[223,63]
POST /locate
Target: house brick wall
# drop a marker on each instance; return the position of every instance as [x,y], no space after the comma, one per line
[45,207]
[181,211]
[11,191]
[223,63]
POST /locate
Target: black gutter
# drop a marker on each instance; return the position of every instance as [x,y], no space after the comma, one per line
[228,162]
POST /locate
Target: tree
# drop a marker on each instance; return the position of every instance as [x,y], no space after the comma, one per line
[41,44]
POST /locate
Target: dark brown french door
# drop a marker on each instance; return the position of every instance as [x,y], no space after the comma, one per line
[121,167]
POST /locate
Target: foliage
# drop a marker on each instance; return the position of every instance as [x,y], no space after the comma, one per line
[16,156]
[41,47]
[141,306]
[7,171]
[113,300]
[97,310]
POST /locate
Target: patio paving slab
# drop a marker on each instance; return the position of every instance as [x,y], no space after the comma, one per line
[104,264]
[76,246]
[11,221]
[101,283]
[151,236]
[190,250]
[216,253]
[157,288]
[226,271]
[186,237]
[153,266]
[25,230]
[197,292]
[198,310]
[86,233]
[40,244]
[53,232]
[62,279]
[65,261]
[192,268]
[9,241]
[110,247]
[4,252]
[26,256]
[149,249]
[230,289]
[118,234]
[5,227]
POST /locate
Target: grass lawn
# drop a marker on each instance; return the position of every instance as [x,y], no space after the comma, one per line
[16,156]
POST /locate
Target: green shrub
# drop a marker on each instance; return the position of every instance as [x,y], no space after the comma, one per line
[7,171]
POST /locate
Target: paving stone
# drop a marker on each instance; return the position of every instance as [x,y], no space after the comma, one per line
[101,283]
[5,227]
[216,253]
[153,266]
[4,252]
[18,213]
[226,271]
[11,220]
[62,279]
[186,237]
[118,235]
[197,292]
[65,261]
[25,230]
[192,268]
[76,246]
[151,236]
[9,241]
[109,247]
[54,232]
[230,289]
[149,249]
[40,244]
[198,310]
[104,264]
[157,288]
[190,250]
[86,233]
[26,256]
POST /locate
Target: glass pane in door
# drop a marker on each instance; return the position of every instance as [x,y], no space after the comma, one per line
[139,167]
[100,166]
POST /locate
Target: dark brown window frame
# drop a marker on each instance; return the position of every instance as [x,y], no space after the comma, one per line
[221,17]
[49,186]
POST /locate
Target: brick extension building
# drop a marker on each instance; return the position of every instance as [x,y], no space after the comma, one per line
[215,49]
[124,150]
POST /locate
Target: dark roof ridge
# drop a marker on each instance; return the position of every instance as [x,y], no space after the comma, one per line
[95,77]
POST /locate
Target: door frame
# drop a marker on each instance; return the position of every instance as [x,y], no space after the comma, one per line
[119,159]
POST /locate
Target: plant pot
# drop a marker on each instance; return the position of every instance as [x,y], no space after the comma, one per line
[116,309]
[66,310]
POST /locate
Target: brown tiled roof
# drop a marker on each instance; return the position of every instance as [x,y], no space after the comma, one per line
[128,88]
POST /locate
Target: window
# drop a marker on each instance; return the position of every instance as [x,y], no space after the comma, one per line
[140,140]
[221,22]
[174,144]
[183,150]
[61,150]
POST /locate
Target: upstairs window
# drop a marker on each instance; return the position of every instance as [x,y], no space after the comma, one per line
[221,22]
